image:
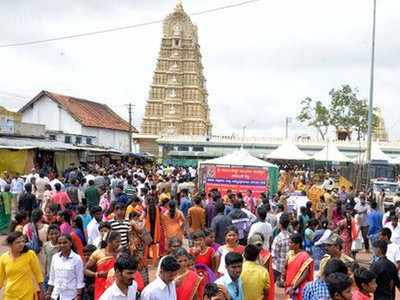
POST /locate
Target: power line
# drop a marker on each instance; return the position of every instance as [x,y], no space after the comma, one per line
[109,30]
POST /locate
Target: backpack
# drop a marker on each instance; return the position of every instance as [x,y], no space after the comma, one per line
[33,242]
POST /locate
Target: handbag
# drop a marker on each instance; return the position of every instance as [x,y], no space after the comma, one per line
[147,238]
[33,242]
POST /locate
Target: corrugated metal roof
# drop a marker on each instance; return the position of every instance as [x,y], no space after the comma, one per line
[27,143]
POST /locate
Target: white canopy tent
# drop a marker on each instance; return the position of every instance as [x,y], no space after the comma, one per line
[288,151]
[331,153]
[239,158]
[396,161]
[376,154]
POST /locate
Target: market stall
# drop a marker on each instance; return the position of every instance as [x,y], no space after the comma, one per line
[239,172]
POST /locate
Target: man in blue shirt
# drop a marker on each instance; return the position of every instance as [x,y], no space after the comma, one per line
[231,280]
[374,222]
[120,196]
[185,203]
[318,289]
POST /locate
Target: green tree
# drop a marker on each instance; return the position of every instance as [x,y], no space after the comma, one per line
[360,118]
[349,113]
[315,114]
[340,109]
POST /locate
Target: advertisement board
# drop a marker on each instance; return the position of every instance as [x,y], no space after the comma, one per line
[235,178]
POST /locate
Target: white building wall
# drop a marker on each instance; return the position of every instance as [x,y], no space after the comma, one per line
[109,138]
[47,112]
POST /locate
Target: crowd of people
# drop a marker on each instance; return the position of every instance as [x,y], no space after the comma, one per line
[136,232]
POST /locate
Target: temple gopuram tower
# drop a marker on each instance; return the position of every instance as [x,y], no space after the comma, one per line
[177,103]
[379,133]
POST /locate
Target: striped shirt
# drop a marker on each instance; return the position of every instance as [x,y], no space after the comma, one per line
[123,228]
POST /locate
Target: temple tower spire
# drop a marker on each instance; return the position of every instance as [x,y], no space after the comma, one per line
[177,103]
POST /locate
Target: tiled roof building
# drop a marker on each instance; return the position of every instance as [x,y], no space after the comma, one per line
[88,113]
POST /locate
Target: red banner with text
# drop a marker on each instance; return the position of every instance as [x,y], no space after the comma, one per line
[237,179]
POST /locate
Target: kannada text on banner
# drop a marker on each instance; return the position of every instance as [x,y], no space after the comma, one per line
[237,179]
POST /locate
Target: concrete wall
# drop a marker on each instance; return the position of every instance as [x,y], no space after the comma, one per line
[109,138]
[28,129]
[149,146]
[47,112]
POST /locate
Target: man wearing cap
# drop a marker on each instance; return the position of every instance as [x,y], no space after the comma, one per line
[333,247]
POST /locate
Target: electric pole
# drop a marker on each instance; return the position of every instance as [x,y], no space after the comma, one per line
[371,88]
[130,127]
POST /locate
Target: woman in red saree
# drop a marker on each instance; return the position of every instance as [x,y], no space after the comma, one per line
[345,228]
[187,282]
[102,261]
[265,260]
[205,259]
[153,227]
[299,268]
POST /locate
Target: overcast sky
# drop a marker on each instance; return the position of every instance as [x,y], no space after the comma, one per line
[260,60]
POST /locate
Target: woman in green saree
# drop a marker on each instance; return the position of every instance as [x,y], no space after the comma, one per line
[5,209]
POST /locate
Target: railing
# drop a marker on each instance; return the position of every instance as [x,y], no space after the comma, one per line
[269,140]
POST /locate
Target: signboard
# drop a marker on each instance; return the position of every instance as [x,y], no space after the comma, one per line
[237,179]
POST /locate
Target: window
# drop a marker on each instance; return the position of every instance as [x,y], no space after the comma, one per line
[183,148]
[176,42]
[198,148]
[78,140]
[52,137]
[67,139]
[88,141]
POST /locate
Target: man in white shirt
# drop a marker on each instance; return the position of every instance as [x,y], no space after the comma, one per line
[31,175]
[262,227]
[66,273]
[163,287]
[53,183]
[124,287]
[94,236]
[395,229]
[393,250]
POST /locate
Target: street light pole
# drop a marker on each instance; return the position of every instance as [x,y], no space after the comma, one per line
[287,121]
[371,89]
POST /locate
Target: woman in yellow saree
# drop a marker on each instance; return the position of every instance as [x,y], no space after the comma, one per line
[299,268]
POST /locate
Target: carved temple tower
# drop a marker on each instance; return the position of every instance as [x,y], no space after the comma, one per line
[177,103]
[379,133]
